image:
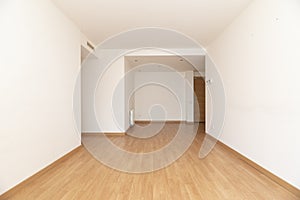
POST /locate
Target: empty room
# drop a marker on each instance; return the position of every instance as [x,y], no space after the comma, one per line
[141,99]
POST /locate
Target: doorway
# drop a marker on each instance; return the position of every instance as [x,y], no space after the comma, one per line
[199,109]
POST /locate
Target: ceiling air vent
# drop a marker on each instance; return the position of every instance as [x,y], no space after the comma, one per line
[90,45]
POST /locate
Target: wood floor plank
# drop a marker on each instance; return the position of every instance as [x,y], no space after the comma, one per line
[221,175]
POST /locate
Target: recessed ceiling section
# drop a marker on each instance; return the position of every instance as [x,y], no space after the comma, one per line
[166,63]
[202,20]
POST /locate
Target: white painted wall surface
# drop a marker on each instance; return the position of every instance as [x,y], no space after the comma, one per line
[215,99]
[258,57]
[189,96]
[129,92]
[89,77]
[103,94]
[172,101]
[39,64]
[110,99]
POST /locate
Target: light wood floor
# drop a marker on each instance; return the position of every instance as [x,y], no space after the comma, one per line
[219,176]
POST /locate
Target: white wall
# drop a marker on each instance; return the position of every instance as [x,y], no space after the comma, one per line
[89,76]
[189,96]
[172,97]
[109,99]
[214,99]
[258,58]
[129,89]
[102,95]
[39,63]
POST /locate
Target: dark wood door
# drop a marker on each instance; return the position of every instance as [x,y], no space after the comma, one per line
[199,88]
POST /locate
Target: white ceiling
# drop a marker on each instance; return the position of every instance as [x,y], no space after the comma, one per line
[202,20]
[160,63]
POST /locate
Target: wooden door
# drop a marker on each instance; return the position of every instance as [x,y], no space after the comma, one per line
[199,89]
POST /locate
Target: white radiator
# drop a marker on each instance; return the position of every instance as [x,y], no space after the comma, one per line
[131,117]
